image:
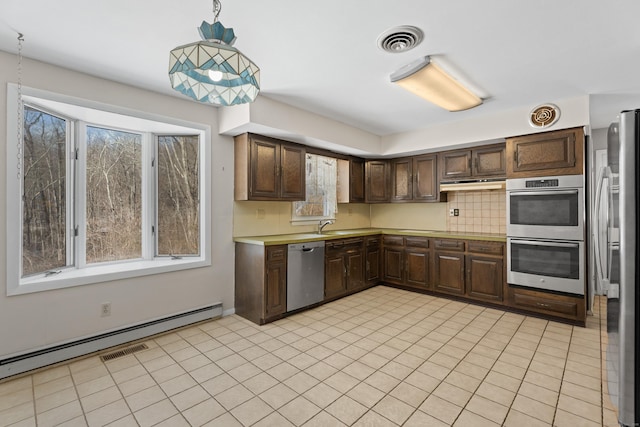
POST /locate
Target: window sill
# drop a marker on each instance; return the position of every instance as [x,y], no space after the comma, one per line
[313,221]
[103,273]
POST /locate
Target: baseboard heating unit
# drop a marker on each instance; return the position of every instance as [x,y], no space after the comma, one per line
[58,353]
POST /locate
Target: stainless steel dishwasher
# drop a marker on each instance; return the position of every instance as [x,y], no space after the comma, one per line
[305,274]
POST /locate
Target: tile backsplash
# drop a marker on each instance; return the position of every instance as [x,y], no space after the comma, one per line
[480,211]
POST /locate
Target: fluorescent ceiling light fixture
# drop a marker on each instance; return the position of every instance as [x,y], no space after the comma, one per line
[427,80]
[212,70]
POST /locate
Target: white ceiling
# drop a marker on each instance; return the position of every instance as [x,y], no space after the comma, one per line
[322,55]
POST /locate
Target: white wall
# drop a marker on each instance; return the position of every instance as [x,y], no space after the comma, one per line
[261,218]
[413,216]
[272,118]
[41,319]
[574,112]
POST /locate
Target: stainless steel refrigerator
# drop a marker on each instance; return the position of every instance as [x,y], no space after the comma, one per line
[616,262]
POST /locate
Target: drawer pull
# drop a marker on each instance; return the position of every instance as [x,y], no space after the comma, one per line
[541,304]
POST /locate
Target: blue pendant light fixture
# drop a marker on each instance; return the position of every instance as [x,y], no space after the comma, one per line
[212,70]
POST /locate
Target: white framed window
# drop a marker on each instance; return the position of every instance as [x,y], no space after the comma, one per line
[321,201]
[97,193]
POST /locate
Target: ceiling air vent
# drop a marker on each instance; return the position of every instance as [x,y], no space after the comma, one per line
[400,39]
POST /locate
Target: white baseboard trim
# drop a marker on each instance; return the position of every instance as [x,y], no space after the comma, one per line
[13,365]
[229,312]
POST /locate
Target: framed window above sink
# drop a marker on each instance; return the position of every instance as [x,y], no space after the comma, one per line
[321,202]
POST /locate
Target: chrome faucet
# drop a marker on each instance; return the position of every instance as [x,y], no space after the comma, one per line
[323,224]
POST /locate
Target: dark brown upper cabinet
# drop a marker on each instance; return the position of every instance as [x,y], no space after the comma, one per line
[377,188]
[415,179]
[546,154]
[402,179]
[475,163]
[268,169]
[356,181]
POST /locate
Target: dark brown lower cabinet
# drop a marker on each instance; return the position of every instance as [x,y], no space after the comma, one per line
[448,266]
[471,269]
[449,272]
[344,267]
[406,261]
[276,281]
[563,306]
[417,268]
[261,282]
[355,269]
[393,265]
[335,277]
[485,278]
[373,256]
[485,271]
[475,269]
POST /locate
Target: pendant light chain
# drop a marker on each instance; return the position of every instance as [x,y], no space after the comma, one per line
[217,7]
[20,127]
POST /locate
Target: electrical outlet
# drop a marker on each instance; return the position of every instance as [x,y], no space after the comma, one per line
[451,212]
[456,212]
[105,309]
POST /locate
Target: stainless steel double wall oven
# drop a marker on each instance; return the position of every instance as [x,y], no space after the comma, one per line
[545,233]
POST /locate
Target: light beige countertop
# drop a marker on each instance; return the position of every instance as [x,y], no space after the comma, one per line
[284,239]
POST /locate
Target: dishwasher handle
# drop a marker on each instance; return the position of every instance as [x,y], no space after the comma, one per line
[308,249]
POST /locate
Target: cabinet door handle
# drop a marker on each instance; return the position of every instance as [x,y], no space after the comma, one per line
[276,170]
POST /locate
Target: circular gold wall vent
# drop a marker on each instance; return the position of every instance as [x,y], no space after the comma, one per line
[544,115]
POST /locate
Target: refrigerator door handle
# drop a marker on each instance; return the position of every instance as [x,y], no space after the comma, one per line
[600,269]
[613,235]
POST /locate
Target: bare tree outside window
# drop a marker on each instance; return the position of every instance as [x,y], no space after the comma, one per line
[114,195]
[178,195]
[321,200]
[44,192]
[90,197]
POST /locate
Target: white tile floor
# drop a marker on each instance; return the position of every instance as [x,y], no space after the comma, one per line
[382,357]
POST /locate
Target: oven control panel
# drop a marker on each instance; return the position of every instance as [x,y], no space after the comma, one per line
[541,183]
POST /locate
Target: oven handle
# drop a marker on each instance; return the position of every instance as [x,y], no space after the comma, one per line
[543,193]
[545,243]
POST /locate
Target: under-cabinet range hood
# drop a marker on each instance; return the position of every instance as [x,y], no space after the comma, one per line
[473,185]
